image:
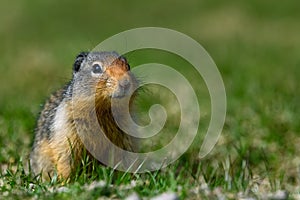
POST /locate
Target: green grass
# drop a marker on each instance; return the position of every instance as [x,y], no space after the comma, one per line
[255,46]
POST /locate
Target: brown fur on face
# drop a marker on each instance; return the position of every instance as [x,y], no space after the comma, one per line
[118,79]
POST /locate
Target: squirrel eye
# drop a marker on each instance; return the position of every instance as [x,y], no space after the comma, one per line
[97,69]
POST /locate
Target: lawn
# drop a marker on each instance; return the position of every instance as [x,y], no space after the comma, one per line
[256,46]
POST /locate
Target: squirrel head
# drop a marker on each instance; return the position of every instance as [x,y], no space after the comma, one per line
[103,74]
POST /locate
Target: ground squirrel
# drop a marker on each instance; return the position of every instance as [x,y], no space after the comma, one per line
[98,78]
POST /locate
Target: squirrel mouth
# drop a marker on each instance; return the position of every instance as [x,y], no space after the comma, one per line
[118,95]
[122,89]
[120,92]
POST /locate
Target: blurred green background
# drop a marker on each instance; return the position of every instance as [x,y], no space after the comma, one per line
[255,44]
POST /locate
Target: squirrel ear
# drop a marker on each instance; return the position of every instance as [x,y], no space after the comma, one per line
[79,59]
